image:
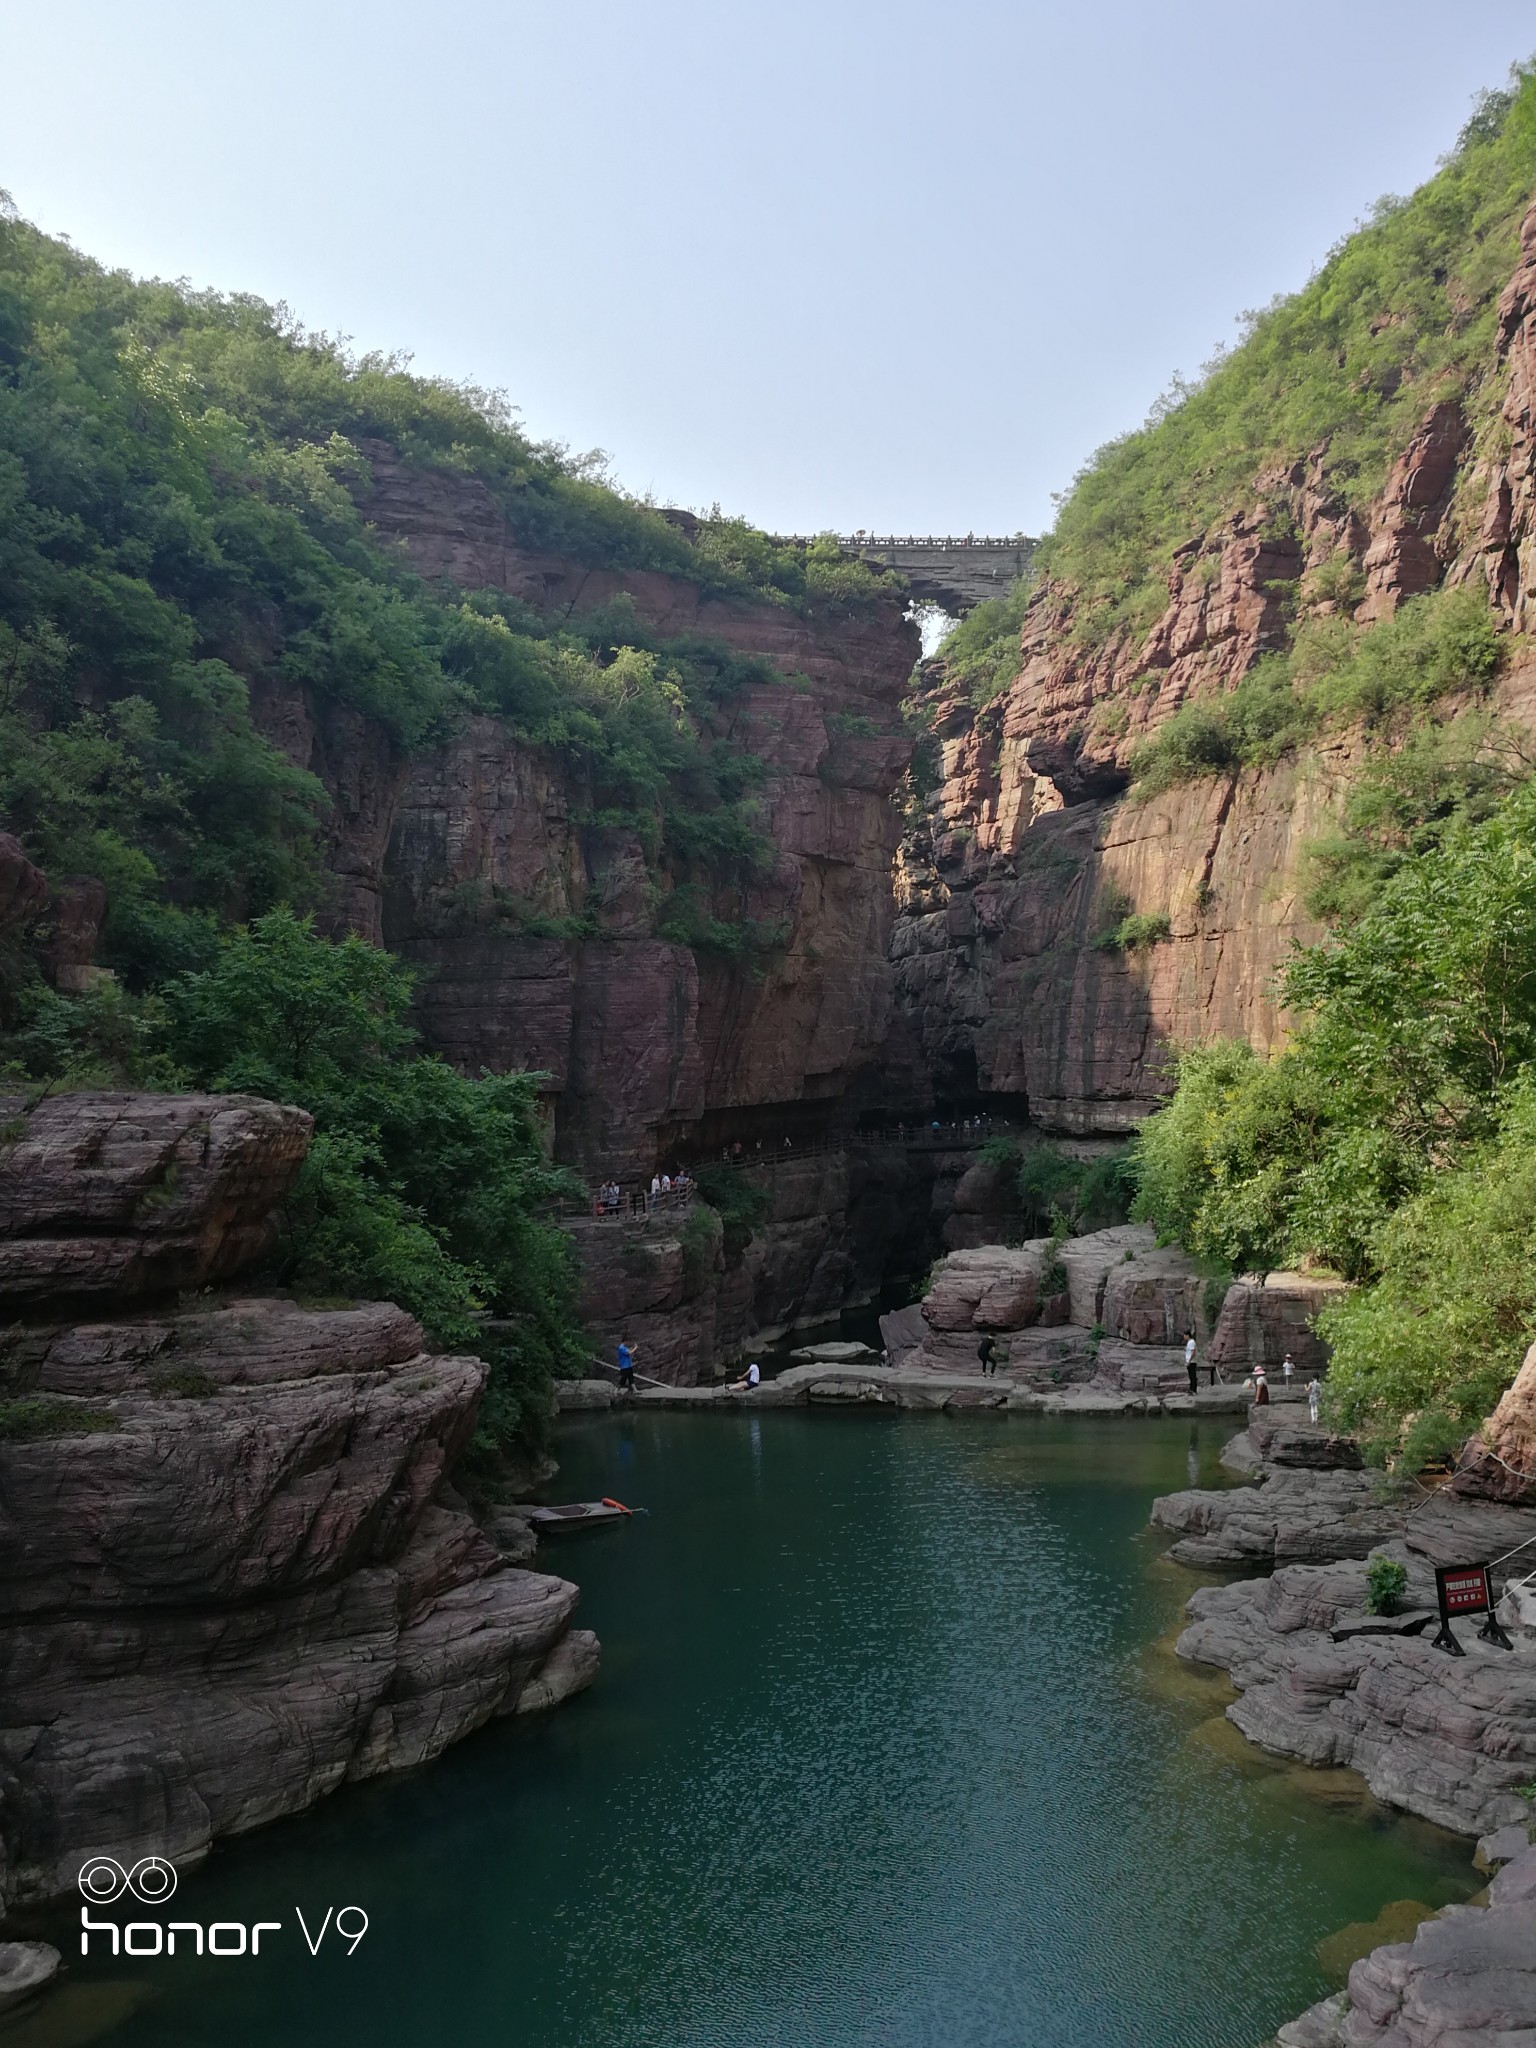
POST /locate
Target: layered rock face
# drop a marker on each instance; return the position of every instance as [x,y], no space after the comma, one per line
[1028,859]
[452,858]
[226,1584]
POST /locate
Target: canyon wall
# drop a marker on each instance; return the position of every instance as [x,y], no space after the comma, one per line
[645,1041]
[229,1580]
[1028,854]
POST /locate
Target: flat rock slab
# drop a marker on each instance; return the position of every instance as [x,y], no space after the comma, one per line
[874,1386]
[1291,1517]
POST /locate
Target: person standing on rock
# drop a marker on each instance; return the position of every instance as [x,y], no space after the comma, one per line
[986,1351]
[626,1367]
[1287,1367]
[1260,1387]
[1314,1397]
[1189,1362]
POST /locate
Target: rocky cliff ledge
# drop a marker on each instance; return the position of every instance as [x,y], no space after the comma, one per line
[227,1583]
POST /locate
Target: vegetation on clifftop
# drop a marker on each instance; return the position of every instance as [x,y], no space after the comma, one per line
[180,539]
[1401,314]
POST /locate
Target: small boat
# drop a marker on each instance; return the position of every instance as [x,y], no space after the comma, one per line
[578,1514]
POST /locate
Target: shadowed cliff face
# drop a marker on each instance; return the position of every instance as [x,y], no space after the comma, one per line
[642,1037]
[1030,855]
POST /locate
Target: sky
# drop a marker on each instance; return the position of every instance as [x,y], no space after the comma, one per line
[829,264]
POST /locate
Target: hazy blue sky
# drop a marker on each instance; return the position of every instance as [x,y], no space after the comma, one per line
[831,263]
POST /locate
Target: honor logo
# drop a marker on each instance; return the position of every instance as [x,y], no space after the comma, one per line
[152,1881]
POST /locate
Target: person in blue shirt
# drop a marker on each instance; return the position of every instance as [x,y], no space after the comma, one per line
[626,1367]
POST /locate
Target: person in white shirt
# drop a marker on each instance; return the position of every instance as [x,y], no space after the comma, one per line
[1287,1366]
[748,1379]
[1189,1363]
[1314,1397]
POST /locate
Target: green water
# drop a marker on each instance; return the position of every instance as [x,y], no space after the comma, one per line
[886,1750]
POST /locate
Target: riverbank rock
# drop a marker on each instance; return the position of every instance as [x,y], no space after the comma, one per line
[1290,1518]
[1466,1980]
[227,1583]
[1452,1739]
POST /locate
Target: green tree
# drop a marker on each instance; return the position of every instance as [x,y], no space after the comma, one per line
[422,1186]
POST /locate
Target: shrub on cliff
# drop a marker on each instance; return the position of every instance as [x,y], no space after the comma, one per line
[1389,1138]
[423,1187]
[741,1204]
[1380,676]
[1065,1196]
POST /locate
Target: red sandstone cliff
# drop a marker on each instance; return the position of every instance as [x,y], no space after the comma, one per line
[644,1040]
[1029,853]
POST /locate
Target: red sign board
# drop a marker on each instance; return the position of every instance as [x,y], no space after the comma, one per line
[1464,1589]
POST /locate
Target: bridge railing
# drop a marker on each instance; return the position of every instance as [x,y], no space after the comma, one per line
[1013,544]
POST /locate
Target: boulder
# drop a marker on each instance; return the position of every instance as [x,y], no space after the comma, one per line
[902,1332]
[23,888]
[994,1288]
[25,1967]
[1090,1260]
[1153,1298]
[1499,1463]
[1262,1319]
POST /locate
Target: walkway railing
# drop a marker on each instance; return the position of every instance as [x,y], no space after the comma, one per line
[615,1202]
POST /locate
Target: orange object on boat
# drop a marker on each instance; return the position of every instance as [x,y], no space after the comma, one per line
[610,1503]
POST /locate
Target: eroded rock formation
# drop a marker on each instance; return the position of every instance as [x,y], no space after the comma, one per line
[226,1581]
